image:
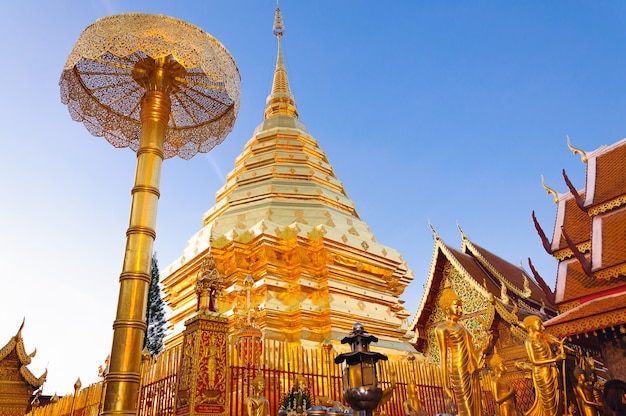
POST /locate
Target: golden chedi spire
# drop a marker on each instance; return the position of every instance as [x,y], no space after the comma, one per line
[280,101]
[284,218]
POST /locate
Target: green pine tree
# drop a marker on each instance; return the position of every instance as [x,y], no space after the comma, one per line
[155,313]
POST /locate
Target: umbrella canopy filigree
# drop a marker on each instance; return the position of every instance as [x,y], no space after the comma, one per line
[104,80]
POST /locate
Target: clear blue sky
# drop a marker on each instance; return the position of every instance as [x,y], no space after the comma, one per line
[440,111]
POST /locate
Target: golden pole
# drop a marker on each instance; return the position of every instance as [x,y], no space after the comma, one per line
[97,85]
[123,379]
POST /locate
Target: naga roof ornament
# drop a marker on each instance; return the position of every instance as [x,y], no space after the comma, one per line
[583,155]
[550,190]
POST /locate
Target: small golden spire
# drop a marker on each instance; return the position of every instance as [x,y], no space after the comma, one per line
[550,190]
[279,26]
[583,155]
[280,101]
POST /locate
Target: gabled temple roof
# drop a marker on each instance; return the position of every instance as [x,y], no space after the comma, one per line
[515,278]
[16,346]
[484,271]
[592,266]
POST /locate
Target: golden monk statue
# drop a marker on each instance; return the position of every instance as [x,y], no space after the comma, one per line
[588,404]
[413,404]
[257,404]
[545,374]
[460,360]
[503,392]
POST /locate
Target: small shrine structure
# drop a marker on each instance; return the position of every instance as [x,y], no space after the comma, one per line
[17,383]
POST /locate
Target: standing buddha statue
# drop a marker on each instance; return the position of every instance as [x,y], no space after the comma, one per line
[545,374]
[460,360]
[503,392]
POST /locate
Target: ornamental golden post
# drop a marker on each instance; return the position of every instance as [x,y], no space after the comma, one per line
[164,88]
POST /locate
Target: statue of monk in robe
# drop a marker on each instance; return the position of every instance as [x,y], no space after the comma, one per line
[460,360]
[585,395]
[257,404]
[503,392]
[544,371]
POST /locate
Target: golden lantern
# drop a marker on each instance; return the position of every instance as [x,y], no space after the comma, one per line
[360,381]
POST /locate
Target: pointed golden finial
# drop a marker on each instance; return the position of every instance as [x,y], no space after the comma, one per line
[461,231]
[280,101]
[550,190]
[583,155]
[433,230]
[279,26]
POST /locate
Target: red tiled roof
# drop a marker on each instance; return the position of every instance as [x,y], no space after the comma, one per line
[513,274]
[576,222]
[596,314]
[475,270]
[613,239]
[578,285]
[610,174]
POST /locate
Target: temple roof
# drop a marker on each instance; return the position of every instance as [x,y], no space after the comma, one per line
[576,223]
[515,278]
[485,272]
[15,347]
[592,266]
[603,312]
[607,182]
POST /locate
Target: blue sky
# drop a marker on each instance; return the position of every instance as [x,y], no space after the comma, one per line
[446,111]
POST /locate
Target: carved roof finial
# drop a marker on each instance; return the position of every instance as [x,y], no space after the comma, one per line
[461,231]
[583,155]
[550,190]
[433,230]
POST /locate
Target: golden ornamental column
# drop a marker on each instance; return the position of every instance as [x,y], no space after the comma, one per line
[164,88]
[203,375]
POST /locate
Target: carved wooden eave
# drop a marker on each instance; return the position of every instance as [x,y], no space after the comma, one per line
[523,293]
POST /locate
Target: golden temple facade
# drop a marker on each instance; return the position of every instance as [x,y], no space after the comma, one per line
[284,219]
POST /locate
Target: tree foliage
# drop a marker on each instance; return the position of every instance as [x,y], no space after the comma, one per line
[155,313]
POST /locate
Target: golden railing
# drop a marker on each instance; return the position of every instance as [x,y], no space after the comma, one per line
[280,363]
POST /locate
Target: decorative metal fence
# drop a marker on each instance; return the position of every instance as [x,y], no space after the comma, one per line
[279,364]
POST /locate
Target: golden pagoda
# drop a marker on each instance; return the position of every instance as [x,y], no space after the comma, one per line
[589,243]
[284,219]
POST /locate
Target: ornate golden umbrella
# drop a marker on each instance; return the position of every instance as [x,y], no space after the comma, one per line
[164,88]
